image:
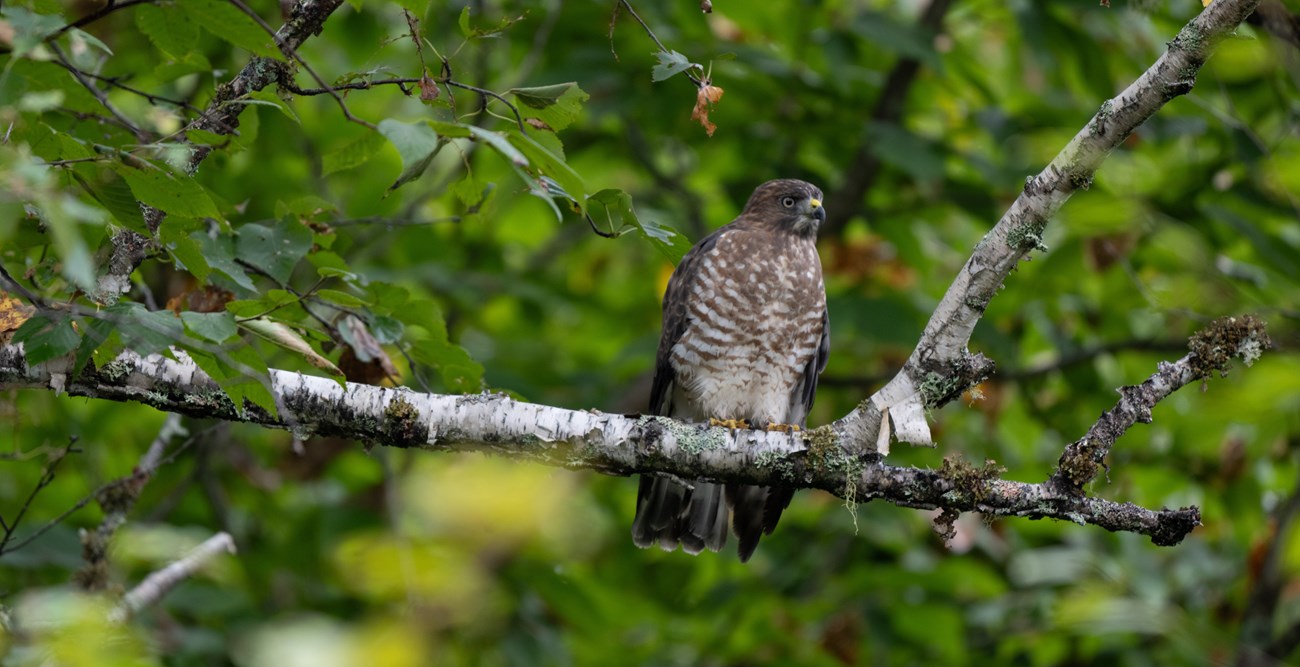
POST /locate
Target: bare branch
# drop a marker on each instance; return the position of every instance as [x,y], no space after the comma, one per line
[160,583]
[1211,350]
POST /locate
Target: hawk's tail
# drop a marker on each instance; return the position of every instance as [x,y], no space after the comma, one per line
[669,513]
[756,510]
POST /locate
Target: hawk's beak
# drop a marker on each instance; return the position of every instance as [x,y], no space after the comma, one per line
[817,210]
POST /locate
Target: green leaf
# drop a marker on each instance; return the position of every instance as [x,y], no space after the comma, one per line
[240,372]
[671,63]
[143,331]
[353,154]
[29,28]
[545,163]
[339,298]
[214,327]
[417,143]
[416,7]
[170,29]
[464,22]
[275,250]
[459,372]
[269,97]
[557,105]
[612,210]
[229,24]
[117,197]
[191,63]
[306,206]
[98,334]
[46,337]
[219,252]
[172,193]
[185,251]
[494,140]
[61,218]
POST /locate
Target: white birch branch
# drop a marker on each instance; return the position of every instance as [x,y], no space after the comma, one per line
[161,582]
[608,443]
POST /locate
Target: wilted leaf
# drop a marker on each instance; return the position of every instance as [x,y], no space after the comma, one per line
[289,339]
[707,96]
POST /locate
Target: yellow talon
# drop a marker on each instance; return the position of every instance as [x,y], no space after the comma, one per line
[784,428]
[729,423]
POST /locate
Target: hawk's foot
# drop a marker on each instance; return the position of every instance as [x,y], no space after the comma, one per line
[729,423]
[784,428]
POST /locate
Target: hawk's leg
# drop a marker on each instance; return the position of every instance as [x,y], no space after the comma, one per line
[784,428]
[729,423]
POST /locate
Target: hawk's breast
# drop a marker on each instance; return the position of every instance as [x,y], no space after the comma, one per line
[754,322]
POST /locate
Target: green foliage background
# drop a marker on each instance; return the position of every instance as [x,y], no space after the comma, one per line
[350,555]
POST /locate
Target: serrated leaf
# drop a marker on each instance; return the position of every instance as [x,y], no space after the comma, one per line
[240,372]
[214,327]
[612,210]
[29,28]
[545,163]
[353,154]
[61,219]
[416,7]
[219,251]
[146,332]
[307,206]
[671,63]
[116,196]
[191,63]
[170,28]
[172,193]
[269,97]
[46,337]
[417,143]
[339,298]
[96,334]
[459,372]
[275,250]
[229,24]
[557,105]
[289,339]
[185,251]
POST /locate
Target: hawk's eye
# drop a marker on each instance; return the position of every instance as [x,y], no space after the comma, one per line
[787,202]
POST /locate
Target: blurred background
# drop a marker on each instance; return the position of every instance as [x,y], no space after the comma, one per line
[921,121]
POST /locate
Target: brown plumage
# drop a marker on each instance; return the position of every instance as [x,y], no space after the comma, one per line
[745,336]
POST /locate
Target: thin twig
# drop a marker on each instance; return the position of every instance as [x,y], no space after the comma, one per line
[100,95]
[47,476]
[133,478]
[110,7]
[158,584]
[628,6]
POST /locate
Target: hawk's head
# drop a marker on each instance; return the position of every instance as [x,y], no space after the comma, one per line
[788,205]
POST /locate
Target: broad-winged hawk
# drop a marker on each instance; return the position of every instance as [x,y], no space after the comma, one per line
[744,338]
